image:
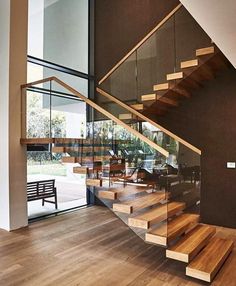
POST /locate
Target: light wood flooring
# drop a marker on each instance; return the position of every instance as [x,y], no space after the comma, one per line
[93,247]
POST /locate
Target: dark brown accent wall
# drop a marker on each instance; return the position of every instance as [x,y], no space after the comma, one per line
[121,24]
[208,120]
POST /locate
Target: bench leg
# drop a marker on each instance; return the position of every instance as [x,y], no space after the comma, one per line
[43,202]
[56,205]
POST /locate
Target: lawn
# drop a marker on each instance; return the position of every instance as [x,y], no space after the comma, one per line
[47,169]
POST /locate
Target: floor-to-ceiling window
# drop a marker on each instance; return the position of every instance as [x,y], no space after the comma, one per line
[58,45]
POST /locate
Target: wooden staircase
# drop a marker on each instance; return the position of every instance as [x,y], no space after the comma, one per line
[166,225]
[192,74]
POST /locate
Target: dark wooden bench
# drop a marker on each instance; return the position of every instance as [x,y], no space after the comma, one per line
[42,190]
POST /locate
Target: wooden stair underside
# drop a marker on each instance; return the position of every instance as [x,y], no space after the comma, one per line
[139,203]
[191,244]
[206,265]
[155,215]
[173,229]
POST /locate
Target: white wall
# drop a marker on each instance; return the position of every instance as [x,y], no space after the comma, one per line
[13,56]
[218,19]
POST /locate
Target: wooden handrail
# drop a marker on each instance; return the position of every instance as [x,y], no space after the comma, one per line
[51,78]
[140,43]
[103,111]
[145,118]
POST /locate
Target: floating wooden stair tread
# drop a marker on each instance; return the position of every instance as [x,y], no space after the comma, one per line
[94,182]
[58,149]
[205,51]
[189,64]
[191,244]
[138,106]
[116,193]
[139,203]
[125,116]
[176,75]
[206,265]
[70,160]
[155,215]
[161,86]
[38,141]
[173,229]
[149,97]
[80,170]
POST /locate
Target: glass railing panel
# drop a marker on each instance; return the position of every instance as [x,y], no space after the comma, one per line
[156,58]
[123,81]
[134,121]
[189,36]
[183,182]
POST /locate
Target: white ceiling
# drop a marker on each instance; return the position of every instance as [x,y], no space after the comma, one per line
[218,19]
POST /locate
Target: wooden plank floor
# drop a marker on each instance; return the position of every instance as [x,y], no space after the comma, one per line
[92,247]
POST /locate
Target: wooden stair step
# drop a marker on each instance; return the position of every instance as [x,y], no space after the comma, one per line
[80,170]
[205,51]
[149,97]
[138,106]
[191,244]
[189,64]
[136,204]
[155,215]
[68,159]
[161,86]
[122,192]
[58,149]
[174,76]
[126,116]
[173,229]
[206,265]
[170,88]
[94,182]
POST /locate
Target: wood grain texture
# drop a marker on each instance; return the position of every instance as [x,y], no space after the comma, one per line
[69,159]
[161,86]
[125,116]
[149,97]
[191,244]
[58,149]
[80,170]
[133,205]
[205,51]
[94,182]
[173,76]
[138,106]
[189,64]
[121,192]
[206,265]
[174,228]
[155,215]
[93,247]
